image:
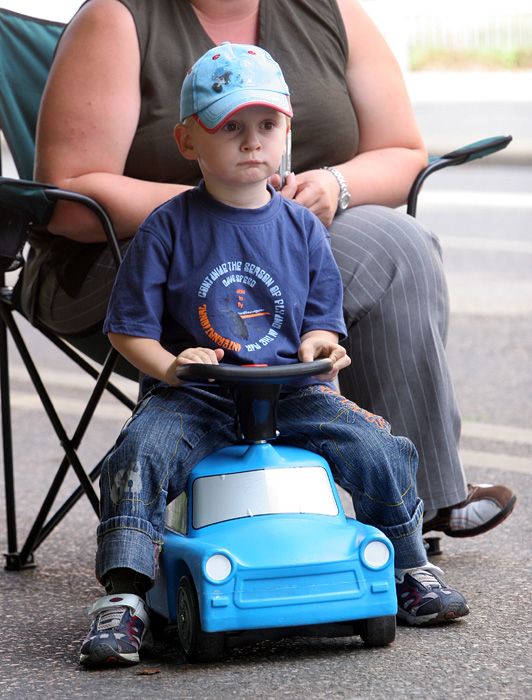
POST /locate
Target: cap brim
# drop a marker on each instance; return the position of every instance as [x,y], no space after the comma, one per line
[217,114]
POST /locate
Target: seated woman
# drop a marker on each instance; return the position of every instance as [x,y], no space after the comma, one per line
[105,130]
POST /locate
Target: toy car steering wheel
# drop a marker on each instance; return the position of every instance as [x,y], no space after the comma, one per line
[256,374]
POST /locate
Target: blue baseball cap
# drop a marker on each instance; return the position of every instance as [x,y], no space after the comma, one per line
[228,78]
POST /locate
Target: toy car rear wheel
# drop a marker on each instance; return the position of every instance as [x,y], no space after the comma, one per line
[196,644]
[378,631]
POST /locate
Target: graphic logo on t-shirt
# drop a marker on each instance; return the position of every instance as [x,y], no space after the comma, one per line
[241,306]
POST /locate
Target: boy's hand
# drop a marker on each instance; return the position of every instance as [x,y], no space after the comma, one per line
[203,356]
[289,188]
[317,345]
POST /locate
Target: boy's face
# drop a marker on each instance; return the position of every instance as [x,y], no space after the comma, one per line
[247,149]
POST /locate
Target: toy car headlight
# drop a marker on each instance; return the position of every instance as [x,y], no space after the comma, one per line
[375,553]
[217,568]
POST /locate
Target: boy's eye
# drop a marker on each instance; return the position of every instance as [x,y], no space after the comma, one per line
[268,125]
[231,127]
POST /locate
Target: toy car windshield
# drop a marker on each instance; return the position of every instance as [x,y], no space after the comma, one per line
[247,494]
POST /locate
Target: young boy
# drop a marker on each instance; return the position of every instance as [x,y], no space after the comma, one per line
[233,271]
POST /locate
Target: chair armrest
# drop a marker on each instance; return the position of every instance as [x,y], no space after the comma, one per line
[464,154]
[27,204]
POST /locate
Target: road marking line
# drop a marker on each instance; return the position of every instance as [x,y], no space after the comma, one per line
[470,198]
[472,458]
[499,433]
[76,380]
[496,297]
[491,460]
[30,401]
[487,244]
[70,407]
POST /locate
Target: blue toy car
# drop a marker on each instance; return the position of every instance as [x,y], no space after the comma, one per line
[259,539]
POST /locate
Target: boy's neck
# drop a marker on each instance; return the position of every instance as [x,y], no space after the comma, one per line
[250,196]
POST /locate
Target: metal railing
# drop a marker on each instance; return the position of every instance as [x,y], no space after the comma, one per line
[455,25]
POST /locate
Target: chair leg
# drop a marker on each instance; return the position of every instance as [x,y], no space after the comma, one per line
[41,528]
[7,443]
[63,510]
[68,445]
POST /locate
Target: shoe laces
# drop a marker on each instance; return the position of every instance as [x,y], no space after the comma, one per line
[110,618]
[426,576]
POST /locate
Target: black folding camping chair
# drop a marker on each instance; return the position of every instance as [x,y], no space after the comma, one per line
[26,51]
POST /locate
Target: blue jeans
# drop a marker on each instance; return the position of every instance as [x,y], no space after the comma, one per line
[171,430]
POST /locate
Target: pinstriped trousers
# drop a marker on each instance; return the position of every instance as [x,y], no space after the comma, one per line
[397,312]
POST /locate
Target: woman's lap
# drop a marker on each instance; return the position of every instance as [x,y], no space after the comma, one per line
[397,313]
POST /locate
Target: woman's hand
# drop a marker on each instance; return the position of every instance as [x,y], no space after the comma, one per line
[318,190]
[203,356]
[317,345]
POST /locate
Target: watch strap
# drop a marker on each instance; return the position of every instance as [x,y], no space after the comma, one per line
[344,195]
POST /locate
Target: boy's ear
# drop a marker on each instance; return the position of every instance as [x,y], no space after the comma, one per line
[184,141]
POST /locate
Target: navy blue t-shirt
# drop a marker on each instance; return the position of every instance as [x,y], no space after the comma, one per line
[199,273]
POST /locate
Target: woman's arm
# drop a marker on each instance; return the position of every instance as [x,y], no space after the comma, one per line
[391,150]
[87,122]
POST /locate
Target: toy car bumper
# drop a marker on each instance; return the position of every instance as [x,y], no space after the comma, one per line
[310,596]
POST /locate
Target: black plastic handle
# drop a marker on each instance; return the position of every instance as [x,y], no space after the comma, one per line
[479,149]
[238,374]
[464,154]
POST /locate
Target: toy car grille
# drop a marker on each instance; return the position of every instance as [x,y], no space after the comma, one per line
[308,587]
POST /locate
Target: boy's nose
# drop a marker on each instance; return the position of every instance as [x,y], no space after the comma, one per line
[251,141]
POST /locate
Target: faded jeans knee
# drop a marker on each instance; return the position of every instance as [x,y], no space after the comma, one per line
[169,432]
[377,468]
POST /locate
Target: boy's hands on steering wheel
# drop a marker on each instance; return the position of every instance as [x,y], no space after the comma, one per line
[317,345]
[314,345]
[204,356]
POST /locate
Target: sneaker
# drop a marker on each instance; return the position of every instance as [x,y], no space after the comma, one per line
[118,627]
[485,507]
[424,598]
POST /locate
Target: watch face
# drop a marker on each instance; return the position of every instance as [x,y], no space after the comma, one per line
[344,201]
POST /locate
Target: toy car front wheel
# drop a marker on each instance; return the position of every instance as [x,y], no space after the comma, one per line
[196,644]
[378,631]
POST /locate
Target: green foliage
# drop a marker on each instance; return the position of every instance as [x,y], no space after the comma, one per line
[435,58]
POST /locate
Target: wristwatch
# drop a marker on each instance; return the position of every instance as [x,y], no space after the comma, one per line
[345,195]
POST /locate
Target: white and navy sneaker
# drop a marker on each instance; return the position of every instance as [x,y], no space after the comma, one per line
[423,597]
[118,627]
